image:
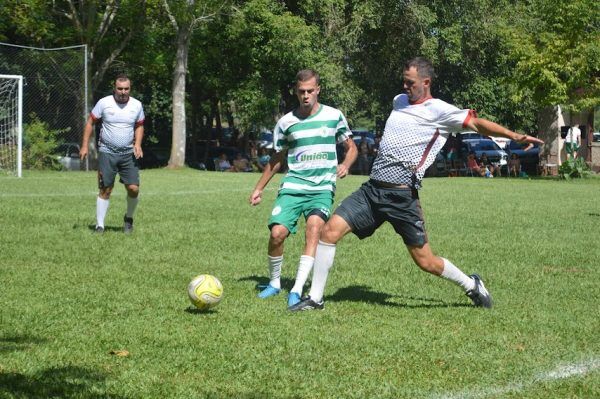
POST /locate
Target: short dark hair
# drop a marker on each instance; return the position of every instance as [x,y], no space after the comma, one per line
[122,77]
[306,74]
[423,66]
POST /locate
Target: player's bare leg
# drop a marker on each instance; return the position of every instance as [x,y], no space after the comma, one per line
[424,258]
[314,224]
[278,235]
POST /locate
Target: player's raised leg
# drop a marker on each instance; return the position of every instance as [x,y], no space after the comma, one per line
[472,285]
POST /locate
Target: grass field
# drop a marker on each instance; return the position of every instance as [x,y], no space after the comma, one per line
[73,302]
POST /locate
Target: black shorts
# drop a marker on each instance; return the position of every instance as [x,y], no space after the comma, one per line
[367,208]
[111,164]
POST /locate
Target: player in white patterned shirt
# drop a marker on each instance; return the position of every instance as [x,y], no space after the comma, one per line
[308,137]
[415,132]
[120,146]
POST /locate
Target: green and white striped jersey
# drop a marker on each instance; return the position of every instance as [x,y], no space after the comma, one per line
[311,146]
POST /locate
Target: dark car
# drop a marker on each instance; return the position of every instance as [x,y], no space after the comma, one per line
[529,159]
[480,146]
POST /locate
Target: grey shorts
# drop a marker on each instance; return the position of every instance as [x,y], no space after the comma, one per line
[367,208]
[124,164]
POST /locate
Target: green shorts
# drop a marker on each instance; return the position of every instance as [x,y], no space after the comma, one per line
[367,208]
[124,164]
[289,207]
[571,148]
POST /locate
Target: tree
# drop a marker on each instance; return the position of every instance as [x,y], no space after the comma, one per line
[185,16]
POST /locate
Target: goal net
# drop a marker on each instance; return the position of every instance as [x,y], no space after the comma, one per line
[11,124]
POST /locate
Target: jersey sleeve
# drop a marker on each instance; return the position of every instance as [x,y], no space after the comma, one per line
[279,138]
[343,131]
[141,117]
[96,112]
[455,119]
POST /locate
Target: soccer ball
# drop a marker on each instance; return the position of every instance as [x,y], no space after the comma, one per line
[205,291]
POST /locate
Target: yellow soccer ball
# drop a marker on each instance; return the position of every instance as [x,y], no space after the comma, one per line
[205,291]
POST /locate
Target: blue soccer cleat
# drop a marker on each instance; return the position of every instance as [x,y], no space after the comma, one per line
[293,298]
[268,292]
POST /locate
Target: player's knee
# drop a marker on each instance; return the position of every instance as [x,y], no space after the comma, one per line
[330,234]
[133,191]
[278,235]
[105,193]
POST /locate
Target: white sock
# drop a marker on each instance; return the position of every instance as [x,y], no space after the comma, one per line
[131,205]
[275,263]
[323,262]
[101,210]
[304,268]
[454,274]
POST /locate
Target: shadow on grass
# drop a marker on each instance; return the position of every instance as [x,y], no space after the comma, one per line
[363,293]
[192,310]
[18,342]
[60,382]
[262,281]
[92,228]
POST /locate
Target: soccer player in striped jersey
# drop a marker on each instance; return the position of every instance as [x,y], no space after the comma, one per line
[306,138]
[414,133]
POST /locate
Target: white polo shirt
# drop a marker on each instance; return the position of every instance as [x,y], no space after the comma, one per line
[118,124]
[413,135]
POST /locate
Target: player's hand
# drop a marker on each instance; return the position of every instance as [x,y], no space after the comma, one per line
[527,139]
[256,197]
[83,153]
[137,152]
[342,171]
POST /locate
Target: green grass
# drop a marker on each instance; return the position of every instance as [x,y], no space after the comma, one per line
[68,297]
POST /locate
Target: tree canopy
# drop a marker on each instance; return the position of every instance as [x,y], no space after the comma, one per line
[505,58]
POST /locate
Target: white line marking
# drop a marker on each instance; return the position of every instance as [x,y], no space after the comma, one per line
[142,193]
[560,372]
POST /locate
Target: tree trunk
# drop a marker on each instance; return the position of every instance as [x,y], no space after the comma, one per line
[550,120]
[178,146]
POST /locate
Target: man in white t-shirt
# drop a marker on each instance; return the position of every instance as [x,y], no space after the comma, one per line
[306,138]
[415,132]
[573,141]
[119,148]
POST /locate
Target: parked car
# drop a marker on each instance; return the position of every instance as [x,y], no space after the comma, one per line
[596,136]
[68,156]
[529,159]
[480,146]
[153,158]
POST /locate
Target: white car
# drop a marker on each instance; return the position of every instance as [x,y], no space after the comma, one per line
[68,156]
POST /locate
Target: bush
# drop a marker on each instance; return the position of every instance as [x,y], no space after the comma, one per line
[574,168]
[40,145]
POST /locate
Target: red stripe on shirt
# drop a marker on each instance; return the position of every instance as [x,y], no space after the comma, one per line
[94,118]
[428,148]
[472,114]
[139,123]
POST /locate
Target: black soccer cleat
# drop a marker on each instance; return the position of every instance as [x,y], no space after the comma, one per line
[127,224]
[306,304]
[99,230]
[479,295]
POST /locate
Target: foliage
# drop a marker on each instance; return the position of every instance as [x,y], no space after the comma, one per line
[557,48]
[574,168]
[86,316]
[39,145]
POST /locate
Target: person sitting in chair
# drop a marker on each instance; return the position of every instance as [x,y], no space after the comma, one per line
[514,165]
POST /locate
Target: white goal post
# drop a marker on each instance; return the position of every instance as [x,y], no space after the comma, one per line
[11,124]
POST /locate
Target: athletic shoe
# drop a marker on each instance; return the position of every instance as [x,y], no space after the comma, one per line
[99,230]
[293,298]
[306,304]
[127,224]
[479,295]
[268,292]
